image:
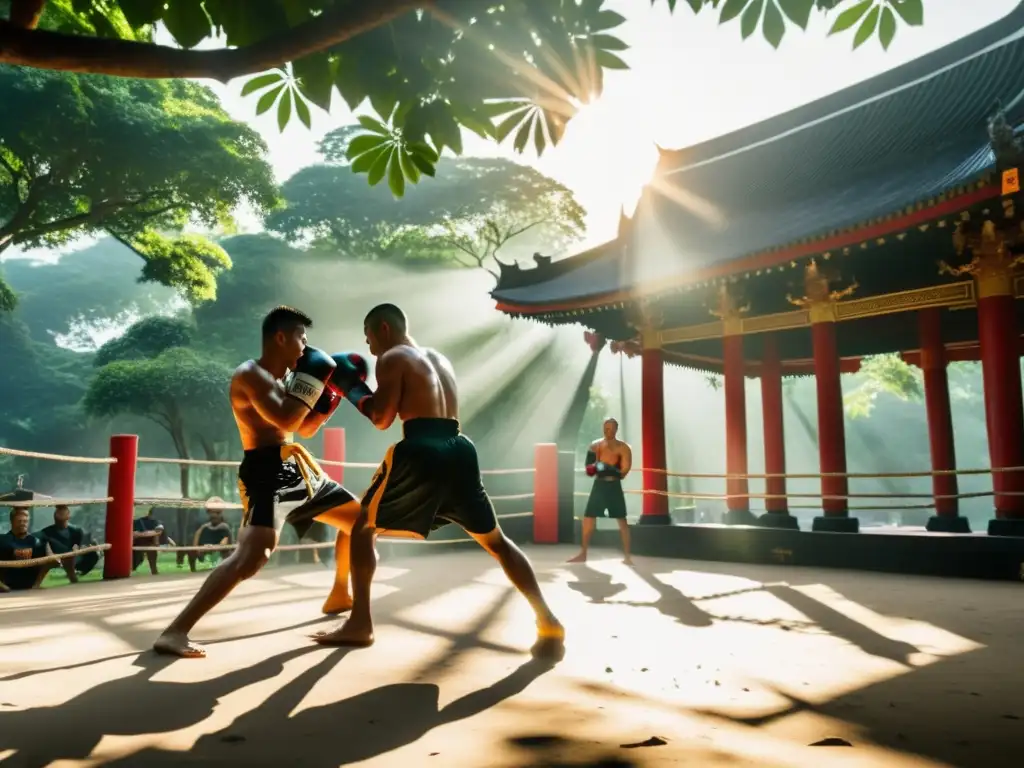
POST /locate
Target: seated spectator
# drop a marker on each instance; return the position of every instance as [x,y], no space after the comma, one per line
[19,544]
[64,537]
[212,533]
[148,532]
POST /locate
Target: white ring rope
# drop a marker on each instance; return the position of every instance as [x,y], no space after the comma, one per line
[57,457]
[54,557]
[54,502]
[185,503]
[818,475]
[322,462]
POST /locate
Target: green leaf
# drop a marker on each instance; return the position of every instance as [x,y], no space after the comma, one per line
[867,27]
[607,43]
[425,166]
[555,125]
[607,20]
[315,75]
[350,85]
[506,126]
[302,110]
[887,28]
[396,178]
[267,99]
[363,143]
[695,5]
[366,161]
[610,60]
[539,142]
[850,16]
[797,11]
[379,168]
[284,110]
[911,11]
[731,10]
[748,23]
[260,81]
[423,150]
[187,22]
[141,12]
[523,135]
[774,26]
[412,173]
[374,125]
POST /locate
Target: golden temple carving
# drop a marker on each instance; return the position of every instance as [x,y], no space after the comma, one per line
[646,319]
[819,299]
[992,263]
[729,310]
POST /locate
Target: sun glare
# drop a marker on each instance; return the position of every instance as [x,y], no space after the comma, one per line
[607,155]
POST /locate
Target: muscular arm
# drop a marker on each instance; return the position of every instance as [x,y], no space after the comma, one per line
[627,460]
[382,407]
[311,424]
[260,389]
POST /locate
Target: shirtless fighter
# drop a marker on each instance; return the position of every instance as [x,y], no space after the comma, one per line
[278,480]
[608,462]
[428,479]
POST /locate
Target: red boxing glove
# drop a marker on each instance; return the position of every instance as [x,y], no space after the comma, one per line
[591,463]
[328,400]
[591,470]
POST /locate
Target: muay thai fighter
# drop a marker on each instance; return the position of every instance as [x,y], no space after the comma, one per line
[608,461]
[283,392]
[430,478]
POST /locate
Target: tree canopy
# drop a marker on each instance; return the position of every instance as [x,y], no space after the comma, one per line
[136,159]
[465,214]
[515,68]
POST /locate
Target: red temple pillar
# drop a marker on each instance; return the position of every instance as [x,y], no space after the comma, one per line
[776,504]
[736,484]
[652,415]
[1000,369]
[831,424]
[940,424]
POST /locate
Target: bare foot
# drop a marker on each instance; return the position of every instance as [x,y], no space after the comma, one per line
[337,602]
[178,644]
[348,635]
[627,560]
[550,643]
[580,558]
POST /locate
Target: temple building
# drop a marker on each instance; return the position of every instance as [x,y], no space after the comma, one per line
[886,217]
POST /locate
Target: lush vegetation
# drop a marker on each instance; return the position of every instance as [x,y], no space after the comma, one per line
[514,70]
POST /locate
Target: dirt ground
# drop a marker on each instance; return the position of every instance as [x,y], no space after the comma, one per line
[701,664]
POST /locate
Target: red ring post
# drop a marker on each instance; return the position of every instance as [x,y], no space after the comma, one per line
[124,449]
[545,493]
[334,450]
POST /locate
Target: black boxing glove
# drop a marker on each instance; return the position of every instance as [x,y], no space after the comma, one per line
[312,372]
[350,380]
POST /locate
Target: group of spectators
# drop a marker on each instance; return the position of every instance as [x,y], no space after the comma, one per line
[60,538]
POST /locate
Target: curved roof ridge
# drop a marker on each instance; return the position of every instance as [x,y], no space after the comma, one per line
[905,77]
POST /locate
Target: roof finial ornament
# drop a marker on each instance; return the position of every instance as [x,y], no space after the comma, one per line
[20,483]
[1008,149]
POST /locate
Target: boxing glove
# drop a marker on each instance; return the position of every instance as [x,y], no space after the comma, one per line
[350,379]
[591,465]
[312,372]
[328,401]
[607,470]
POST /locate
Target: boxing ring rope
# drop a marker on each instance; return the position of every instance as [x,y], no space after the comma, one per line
[121,500]
[552,493]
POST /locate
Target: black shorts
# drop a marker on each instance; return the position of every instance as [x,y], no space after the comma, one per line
[606,495]
[279,484]
[429,479]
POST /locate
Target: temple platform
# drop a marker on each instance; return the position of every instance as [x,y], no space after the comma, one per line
[897,550]
[671,662]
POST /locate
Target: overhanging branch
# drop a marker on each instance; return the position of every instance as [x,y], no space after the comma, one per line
[127,58]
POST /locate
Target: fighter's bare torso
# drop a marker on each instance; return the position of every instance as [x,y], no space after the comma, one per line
[429,390]
[611,451]
[254,430]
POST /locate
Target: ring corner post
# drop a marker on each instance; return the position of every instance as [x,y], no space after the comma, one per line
[124,450]
[334,451]
[545,493]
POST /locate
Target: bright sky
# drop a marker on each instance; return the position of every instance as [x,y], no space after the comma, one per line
[690,80]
